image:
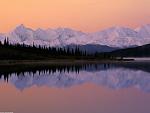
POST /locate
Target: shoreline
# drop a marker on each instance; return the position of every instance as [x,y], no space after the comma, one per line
[65,62]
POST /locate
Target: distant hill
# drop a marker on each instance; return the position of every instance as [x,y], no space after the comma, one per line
[92,49]
[140,51]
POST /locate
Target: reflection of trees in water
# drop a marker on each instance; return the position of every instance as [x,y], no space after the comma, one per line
[20,70]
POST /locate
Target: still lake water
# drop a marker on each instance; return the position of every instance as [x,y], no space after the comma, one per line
[88,88]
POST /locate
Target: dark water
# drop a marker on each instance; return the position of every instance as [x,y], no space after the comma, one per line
[76,88]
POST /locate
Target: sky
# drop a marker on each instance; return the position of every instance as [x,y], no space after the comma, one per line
[84,15]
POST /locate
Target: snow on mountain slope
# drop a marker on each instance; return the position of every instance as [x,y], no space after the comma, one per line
[144,31]
[113,37]
[119,37]
[2,37]
[64,35]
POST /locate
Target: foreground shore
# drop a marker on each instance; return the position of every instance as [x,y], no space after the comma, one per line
[65,62]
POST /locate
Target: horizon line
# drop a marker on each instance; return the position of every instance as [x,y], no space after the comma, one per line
[55,28]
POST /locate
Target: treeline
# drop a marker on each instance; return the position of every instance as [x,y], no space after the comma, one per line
[23,51]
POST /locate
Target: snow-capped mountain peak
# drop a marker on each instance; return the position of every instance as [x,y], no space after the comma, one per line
[21,34]
[21,26]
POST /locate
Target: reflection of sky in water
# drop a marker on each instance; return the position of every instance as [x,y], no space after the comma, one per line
[114,78]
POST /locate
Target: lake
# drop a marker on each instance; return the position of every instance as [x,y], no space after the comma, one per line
[76,88]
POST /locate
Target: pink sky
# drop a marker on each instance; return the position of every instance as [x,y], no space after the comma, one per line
[85,15]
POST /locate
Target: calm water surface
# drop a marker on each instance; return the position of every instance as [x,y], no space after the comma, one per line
[88,88]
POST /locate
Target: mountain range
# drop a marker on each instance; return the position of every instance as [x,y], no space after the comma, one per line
[114,37]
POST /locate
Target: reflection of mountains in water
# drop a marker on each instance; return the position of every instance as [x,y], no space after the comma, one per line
[114,75]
